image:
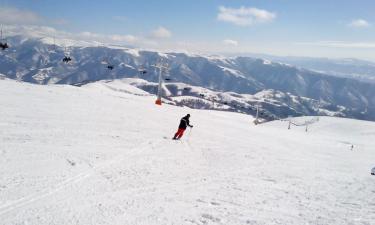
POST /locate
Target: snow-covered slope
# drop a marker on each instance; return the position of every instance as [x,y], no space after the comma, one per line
[97,155]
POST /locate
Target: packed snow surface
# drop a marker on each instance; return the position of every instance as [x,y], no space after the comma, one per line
[100,155]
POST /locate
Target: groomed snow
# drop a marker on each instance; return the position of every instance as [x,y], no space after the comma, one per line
[96,155]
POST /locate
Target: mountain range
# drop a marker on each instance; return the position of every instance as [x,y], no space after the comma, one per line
[296,90]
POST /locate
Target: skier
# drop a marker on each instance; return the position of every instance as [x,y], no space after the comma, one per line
[182,127]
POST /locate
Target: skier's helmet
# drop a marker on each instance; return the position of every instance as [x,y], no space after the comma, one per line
[188,115]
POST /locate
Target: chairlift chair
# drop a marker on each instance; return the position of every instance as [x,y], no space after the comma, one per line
[67,59]
[106,62]
[3,42]
[4,45]
[141,72]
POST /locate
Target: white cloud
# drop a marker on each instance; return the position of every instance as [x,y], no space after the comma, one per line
[124,38]
[244,16]
[46,32]
[10,15]
[230,42]
[360,23]
[15,16]
[339,44]
[335,49]
[161,32]
[88,35]
[112,38]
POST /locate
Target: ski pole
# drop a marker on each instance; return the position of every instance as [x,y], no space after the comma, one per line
[189,132]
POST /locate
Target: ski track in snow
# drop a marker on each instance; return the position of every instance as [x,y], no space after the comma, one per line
[33,198]
[46,193]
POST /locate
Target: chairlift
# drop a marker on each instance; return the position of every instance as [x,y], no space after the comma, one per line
[67,59]
[4,45]
[109,65]
[3,42]
[142,71]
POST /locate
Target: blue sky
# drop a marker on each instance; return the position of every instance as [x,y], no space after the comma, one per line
[318,28]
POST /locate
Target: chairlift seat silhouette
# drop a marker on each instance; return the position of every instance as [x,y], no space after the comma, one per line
[67,59]
[4,45]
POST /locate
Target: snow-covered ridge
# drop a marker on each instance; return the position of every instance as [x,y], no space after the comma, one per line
[271,104]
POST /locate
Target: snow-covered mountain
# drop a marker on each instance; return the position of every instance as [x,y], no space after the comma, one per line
[100,155]
[346,68]
[271,104]
[39,61]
